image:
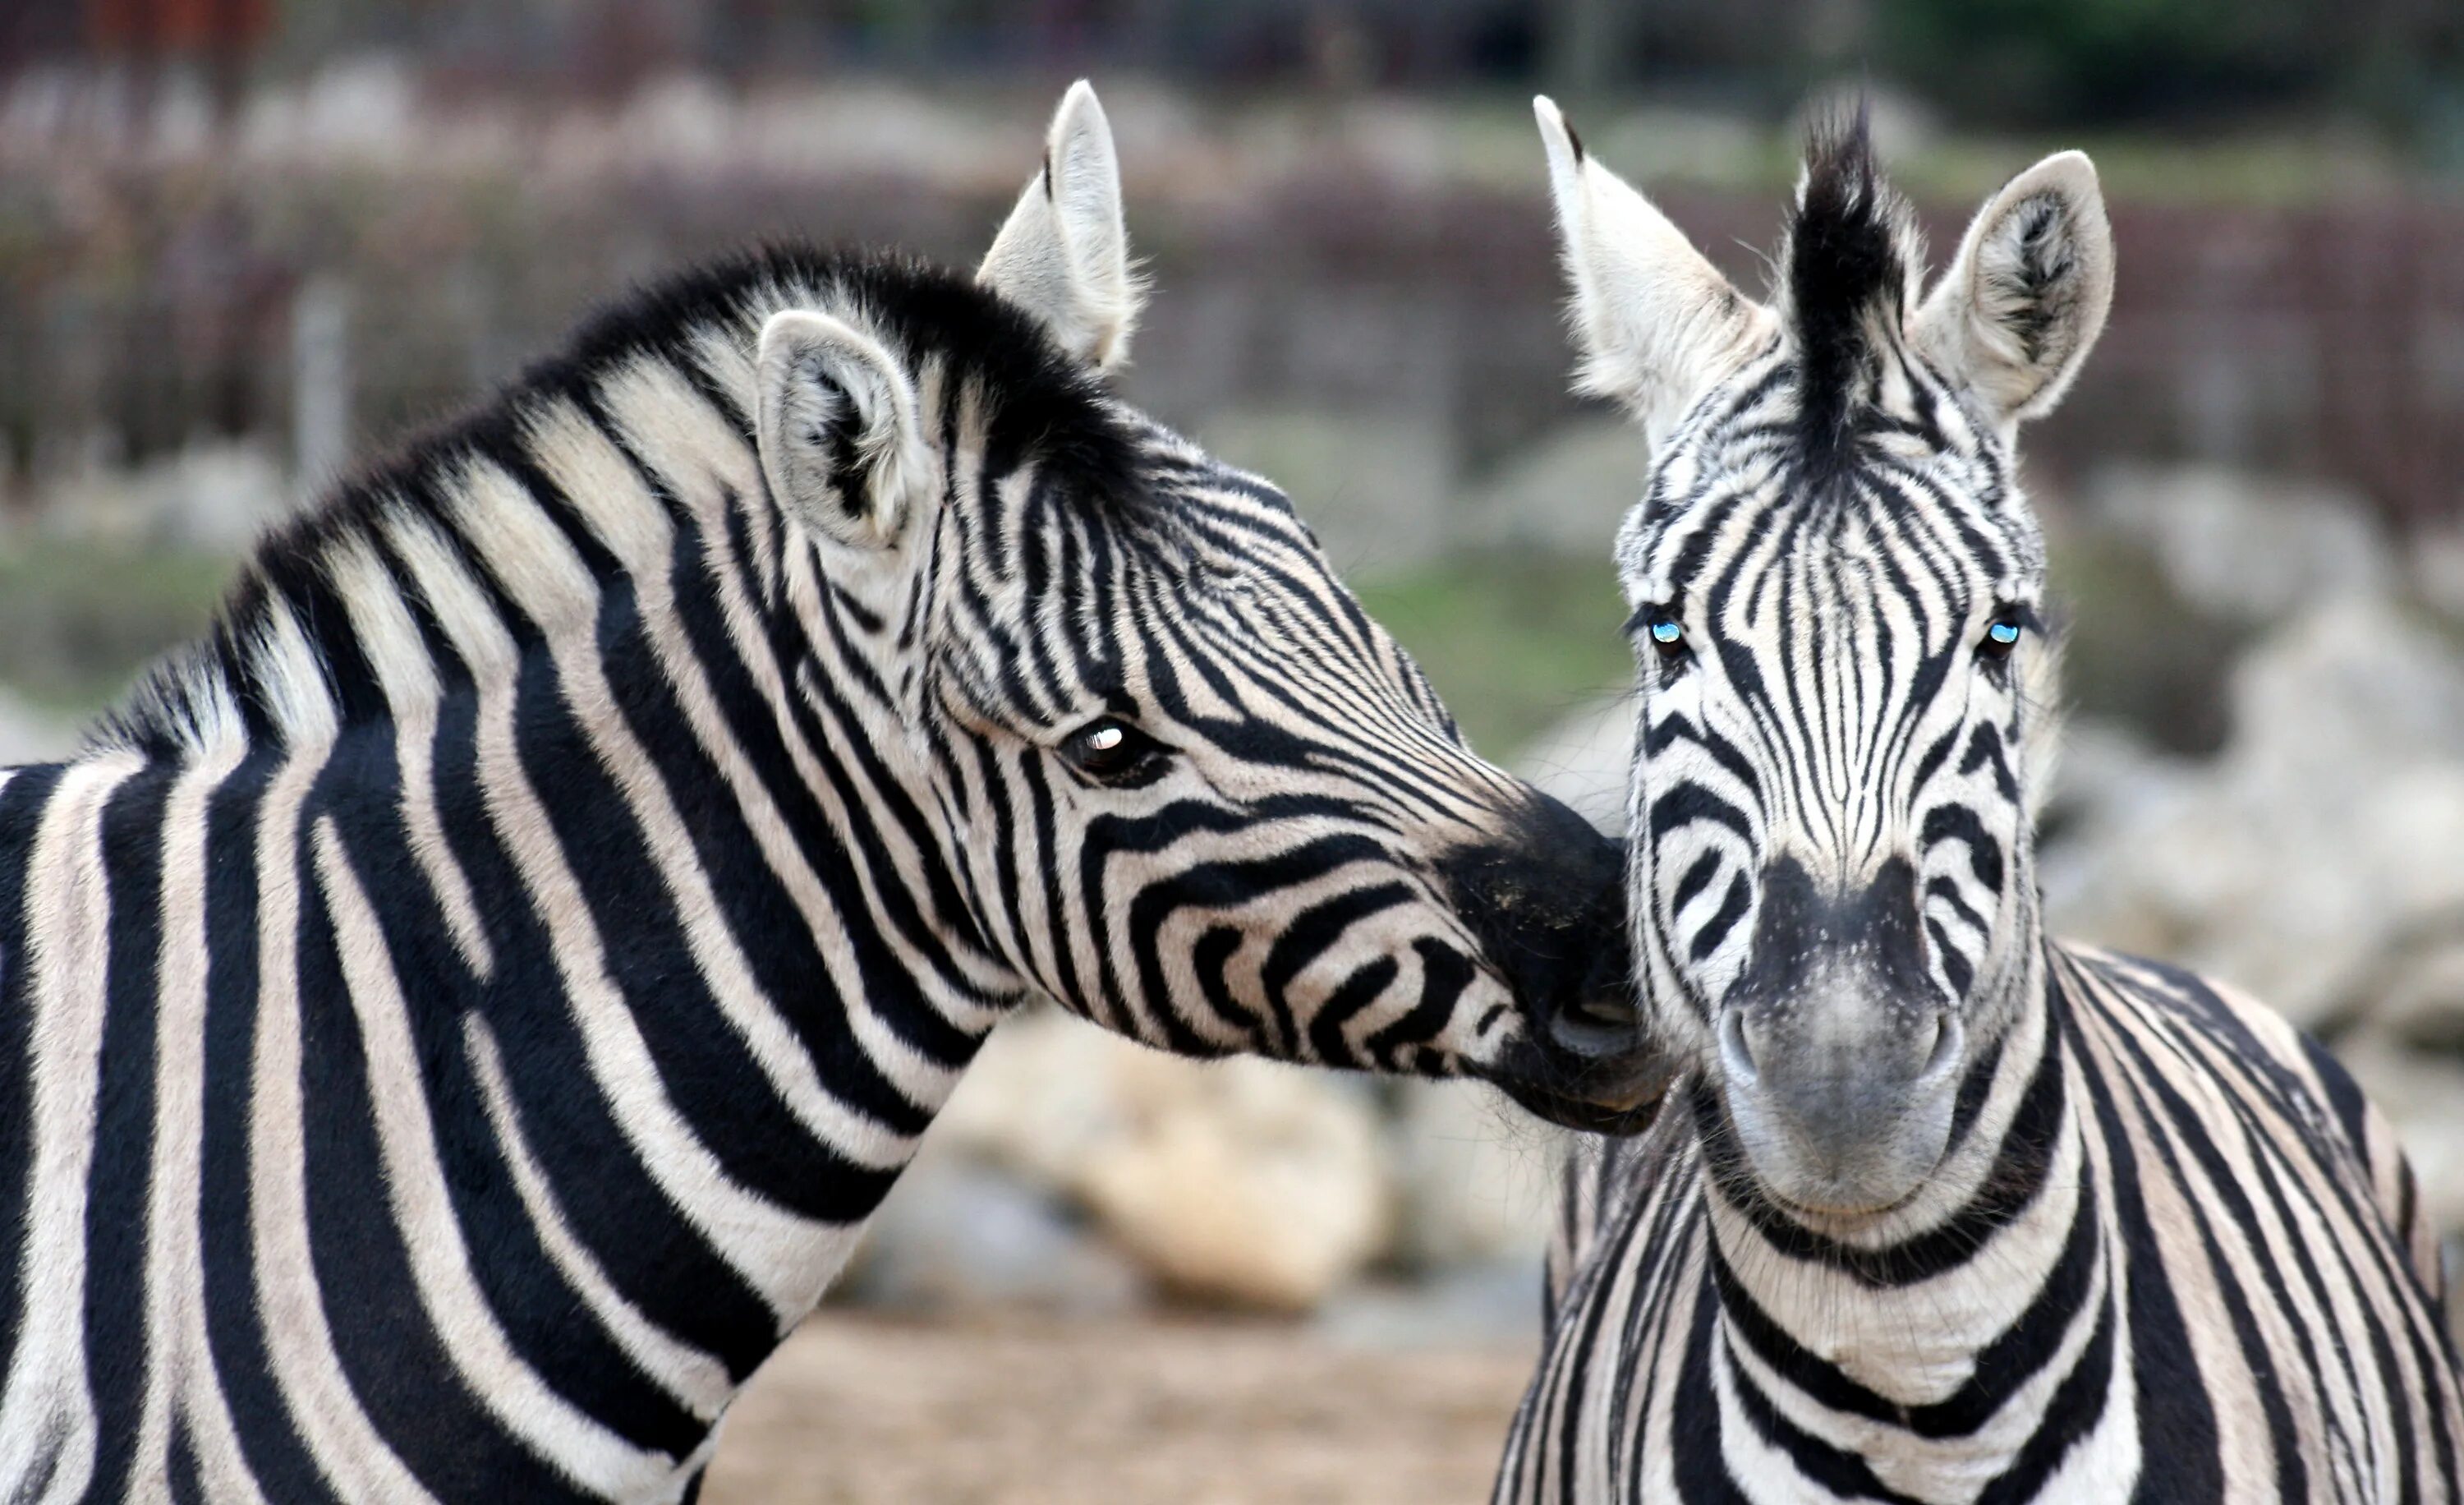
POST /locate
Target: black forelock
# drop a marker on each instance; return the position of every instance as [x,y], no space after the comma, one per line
[1847,273]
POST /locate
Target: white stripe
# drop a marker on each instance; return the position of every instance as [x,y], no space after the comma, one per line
[787,1258]
[586,1451]
[684,1371]
[338,1434]
[51,1431]
[390,642]
[180,1373]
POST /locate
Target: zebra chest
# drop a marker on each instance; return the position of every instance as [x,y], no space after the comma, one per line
[1885,1400]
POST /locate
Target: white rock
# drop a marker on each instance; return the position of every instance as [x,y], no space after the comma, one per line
[1242,1180]
[1248,1182]
[1583,761]
[2242,546]
[2331,828]
[955,1235]
[1478,1176]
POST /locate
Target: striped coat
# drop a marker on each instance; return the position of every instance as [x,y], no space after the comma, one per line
[459,1015]
[1943,1211]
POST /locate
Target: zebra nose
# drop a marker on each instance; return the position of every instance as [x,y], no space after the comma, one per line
[1736,1052]
[1950,1049]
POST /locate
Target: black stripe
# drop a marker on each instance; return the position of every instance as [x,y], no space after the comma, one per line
[123,1131]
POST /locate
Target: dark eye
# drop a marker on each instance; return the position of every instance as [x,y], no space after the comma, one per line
[2001,635]
[1110,751]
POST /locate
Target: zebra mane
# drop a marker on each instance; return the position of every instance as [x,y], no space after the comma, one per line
[1850,261]
[239,683]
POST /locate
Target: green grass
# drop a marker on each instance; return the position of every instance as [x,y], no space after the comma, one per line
[1514,642]
[78,620]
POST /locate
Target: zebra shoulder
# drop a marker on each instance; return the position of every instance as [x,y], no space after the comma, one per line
[2305,1082]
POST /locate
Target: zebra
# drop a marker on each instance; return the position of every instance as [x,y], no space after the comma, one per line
[459,1013]
[1941,1208]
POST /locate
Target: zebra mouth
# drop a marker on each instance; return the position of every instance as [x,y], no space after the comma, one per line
[1594,1073]
[1619,1113]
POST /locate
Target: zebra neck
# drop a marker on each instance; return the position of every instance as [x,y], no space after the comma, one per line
[685,752]
[1928,1317]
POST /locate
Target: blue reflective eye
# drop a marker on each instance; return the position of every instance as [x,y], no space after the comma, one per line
[2005,633]
[1665,632]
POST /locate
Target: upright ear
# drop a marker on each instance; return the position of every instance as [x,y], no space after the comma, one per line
[1657,322]
[1064,254]
[837,432]
[2022,304]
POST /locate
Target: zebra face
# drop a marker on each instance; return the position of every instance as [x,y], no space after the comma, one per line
[1274,839]
[1182,785]
[1836,588]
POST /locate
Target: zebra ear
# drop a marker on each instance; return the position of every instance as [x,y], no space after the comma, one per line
[2025,298]
[836,427]
[1064,255]
[1657,323]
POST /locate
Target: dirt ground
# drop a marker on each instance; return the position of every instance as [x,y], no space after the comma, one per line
[858,1410]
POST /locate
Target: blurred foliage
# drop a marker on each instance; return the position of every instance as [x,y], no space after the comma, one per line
[79,619]
[2073,63]
[1514,642]
[2133,651]
[2039,61]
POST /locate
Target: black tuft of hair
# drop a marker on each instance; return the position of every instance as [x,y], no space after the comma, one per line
[1847,271]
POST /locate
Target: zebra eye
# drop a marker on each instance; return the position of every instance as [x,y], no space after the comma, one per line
[1669,636]
[1111,751]
[2001,635]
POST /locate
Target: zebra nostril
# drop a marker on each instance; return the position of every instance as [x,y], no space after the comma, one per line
[1949,1044]
[1736,1054]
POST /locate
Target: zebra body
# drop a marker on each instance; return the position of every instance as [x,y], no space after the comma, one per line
[1941,1210]
[2202,1276]
[456,1019]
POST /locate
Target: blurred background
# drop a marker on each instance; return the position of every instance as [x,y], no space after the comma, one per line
[245,241]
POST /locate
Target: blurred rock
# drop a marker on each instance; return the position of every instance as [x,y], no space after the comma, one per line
[1584,761]
[2330,830]
[1661,143]
[214,499]
[1493,1302]
[2417,998]
[1242,1180]
[2249,546]
[30,734]
[1246,1183]
[2437,557]
[1377,490]
[1477,1177]
[958,1237]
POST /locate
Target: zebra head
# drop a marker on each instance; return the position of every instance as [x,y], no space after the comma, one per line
[1836,586]
[1180,781]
